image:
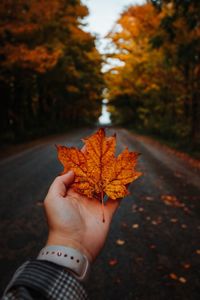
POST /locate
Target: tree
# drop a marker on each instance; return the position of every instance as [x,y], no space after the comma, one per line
[153,86]
[179,28]
[50,69]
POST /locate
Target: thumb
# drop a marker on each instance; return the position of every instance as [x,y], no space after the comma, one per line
[62,183]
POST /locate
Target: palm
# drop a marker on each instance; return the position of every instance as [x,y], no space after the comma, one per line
[79,220]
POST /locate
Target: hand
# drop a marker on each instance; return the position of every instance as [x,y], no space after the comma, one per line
[74,220]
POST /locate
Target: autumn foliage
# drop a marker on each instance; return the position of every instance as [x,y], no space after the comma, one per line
[154,86]
[97,171]
[49,66]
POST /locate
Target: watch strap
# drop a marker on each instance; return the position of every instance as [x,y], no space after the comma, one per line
[67,257]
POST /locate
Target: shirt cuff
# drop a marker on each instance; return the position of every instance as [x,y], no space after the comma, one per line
[48,279]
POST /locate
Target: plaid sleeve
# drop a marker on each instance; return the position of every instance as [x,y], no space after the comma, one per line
[43,280]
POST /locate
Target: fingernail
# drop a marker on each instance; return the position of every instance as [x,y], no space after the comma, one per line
[70,172]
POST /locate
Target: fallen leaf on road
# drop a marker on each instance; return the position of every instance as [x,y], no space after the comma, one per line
[186,265]
[173,276]
[183,226]
[157,221]
[113,262]
[187,210]
[182,279]
[198,251]
[140,209]
[154,222]
[172,201]
[134,206]
[120,242]
[148,198]
[173,220]
[135,226]
[152,246]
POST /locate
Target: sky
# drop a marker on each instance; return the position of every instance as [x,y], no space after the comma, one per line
[104,13]
[102,17]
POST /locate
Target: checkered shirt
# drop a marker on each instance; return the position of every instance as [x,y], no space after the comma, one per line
[43,280]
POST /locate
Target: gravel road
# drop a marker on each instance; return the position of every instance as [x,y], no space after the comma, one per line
[153,249]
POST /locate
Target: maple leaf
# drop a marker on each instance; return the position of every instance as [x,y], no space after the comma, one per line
[97,170]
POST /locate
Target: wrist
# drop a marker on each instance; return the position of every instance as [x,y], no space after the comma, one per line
[59,239]
[68,258]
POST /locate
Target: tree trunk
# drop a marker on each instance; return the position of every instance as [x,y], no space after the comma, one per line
[195,130]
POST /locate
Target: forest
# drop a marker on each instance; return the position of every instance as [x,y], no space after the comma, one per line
[155,87]
[51,71]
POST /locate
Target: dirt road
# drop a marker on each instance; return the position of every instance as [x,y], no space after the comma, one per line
[158,224]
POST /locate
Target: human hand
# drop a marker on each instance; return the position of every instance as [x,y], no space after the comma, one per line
[74,220]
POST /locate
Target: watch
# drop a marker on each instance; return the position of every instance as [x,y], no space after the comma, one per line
[71,259]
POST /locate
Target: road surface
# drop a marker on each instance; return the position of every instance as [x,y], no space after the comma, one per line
[153,249]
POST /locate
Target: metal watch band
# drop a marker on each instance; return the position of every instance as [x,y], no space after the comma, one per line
[67,257]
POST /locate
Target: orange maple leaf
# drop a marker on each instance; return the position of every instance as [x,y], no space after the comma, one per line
[97,170]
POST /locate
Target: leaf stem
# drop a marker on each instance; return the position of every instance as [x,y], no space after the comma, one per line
[102,205]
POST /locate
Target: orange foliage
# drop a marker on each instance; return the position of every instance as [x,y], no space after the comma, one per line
[21,20]
[39,58]
[97,170]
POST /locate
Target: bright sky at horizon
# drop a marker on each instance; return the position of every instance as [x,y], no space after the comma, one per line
[104,14]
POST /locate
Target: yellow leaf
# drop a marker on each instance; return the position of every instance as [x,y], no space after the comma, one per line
[97,170]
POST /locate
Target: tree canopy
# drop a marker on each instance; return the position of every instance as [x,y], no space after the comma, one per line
[156,86]
[50,72]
